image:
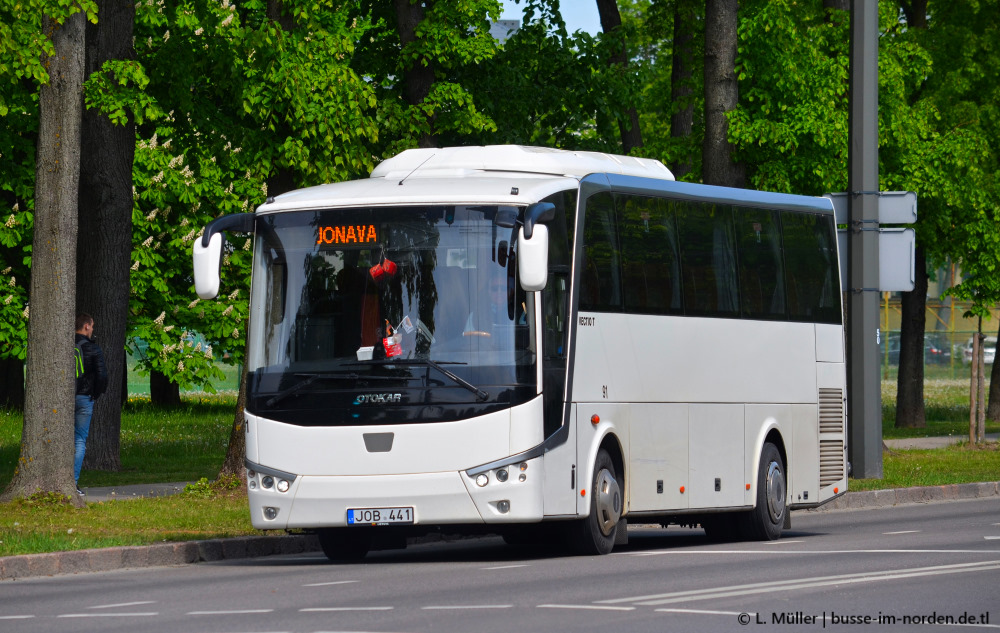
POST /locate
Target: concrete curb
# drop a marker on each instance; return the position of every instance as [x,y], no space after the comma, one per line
[868,499]
[157,555]
[187,552]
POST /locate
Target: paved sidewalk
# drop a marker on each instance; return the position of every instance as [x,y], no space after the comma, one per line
[934,442]
[94,494]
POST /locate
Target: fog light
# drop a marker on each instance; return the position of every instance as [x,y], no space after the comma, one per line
[524,466]
[252,484]
[283,485]
[522,477]
[503,506]
[502,475]
[270,513]
[482,480]
[267,481]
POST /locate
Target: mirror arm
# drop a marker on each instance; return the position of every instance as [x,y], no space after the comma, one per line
[237,222]
[537,213]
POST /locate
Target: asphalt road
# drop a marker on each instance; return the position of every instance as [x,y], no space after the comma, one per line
[908,568]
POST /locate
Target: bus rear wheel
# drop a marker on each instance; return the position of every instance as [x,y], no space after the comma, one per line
[765,521]
[344,545]
[596,534]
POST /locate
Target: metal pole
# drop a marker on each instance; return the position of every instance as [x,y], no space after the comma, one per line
[864,405]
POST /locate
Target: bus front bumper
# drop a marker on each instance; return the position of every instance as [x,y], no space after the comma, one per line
[436,498]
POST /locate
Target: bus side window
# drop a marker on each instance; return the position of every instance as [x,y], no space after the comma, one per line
[811,267]
[708,259]
[650,269]
[601,287]
[762,275]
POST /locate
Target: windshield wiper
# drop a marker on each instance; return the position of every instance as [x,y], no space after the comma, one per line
[481,394]
[311,378]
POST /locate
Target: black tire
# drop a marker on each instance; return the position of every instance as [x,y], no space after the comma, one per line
[596,534]
[765,521]
[345,545]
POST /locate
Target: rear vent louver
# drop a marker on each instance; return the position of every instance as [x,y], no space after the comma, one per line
[831,411]
[831,423]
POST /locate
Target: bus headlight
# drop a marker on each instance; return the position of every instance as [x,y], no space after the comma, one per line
[267,481]
[482,480]
[283,485]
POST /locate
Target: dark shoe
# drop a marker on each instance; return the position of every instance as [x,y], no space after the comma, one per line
[81,493]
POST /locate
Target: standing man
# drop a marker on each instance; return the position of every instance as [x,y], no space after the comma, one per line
[91,381]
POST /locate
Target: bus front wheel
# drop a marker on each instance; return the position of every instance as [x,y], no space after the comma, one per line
[765,521]
[596,534]
[343,545]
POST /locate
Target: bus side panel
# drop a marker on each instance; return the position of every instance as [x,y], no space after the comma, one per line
[716,455]
[561,476]
[658,464]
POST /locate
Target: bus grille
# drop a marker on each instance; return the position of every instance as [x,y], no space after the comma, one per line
[831,462]
[831,449]
[831,411]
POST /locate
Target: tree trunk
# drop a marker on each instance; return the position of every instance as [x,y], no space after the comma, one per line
[11,383]
[104,242]
[162,392]
[611,21]
[681,80]
[236,452]
[910,385]
[418,77]
[721,94]
[46,460]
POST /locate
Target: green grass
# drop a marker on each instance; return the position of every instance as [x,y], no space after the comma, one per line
[49,524]
[946,410]
[960,464]
[157,445]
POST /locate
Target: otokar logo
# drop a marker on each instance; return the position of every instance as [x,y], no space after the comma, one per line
[377,398]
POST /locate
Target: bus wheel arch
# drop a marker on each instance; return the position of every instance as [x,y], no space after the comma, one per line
[596,533]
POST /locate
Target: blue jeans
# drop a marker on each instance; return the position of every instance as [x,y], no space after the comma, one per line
[81,425]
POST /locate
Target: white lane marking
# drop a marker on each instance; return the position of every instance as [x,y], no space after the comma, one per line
[325,584]
[590,607]
[803,583]
[122,604]
[504,567]
[16,617]
[781,542]
[231,612]
[107,615]
[324,609]
[992,538]
[900,532]
[706,612]
[800,551]
[467,606]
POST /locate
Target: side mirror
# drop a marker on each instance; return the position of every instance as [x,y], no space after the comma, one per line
[207,251]
[533,258]
[207,260]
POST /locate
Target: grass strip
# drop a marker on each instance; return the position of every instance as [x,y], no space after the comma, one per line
[48,523]
[959,464]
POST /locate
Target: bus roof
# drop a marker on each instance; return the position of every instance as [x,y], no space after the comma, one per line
[495,174]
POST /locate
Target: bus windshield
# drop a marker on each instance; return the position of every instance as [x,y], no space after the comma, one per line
[388,315]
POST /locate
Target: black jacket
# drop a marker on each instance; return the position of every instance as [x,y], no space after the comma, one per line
[94,380]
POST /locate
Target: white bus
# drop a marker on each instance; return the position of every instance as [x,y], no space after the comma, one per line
[504,338]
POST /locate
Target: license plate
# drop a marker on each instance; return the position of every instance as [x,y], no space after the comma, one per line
[379,516]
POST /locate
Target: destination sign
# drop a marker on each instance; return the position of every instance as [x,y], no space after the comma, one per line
[350,234]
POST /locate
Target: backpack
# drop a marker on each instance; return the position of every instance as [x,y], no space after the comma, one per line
[78,362]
